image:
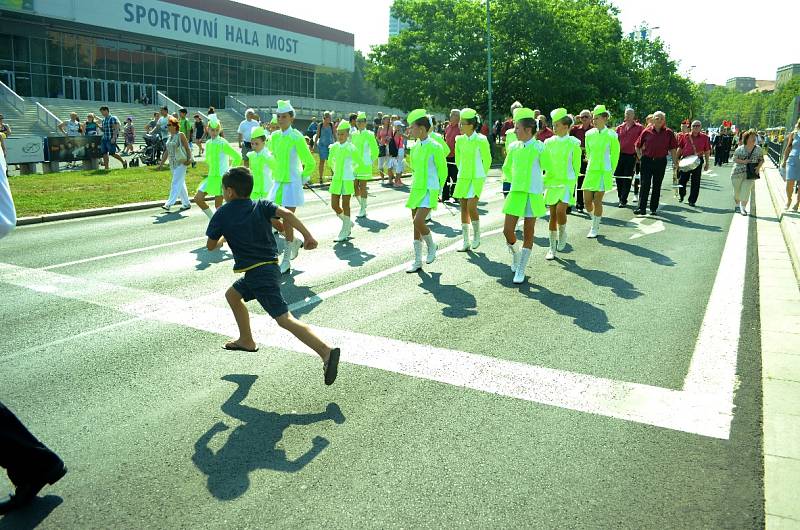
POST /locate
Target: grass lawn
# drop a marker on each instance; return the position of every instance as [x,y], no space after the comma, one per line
[78,190]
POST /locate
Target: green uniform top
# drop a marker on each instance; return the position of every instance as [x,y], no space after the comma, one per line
[473,156]
[343,158]
[185,127]
[262,166]
[561,159]
[511,137]
[602,151]
[523,166]
[218,153]
[367,147]
[441,141]
[283,145]
[428,165]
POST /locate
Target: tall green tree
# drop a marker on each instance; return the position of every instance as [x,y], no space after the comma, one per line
[350,87]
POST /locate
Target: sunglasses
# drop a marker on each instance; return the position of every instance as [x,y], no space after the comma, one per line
[695,126]
[586,117]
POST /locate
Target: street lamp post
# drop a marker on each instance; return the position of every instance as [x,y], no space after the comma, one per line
[489,66]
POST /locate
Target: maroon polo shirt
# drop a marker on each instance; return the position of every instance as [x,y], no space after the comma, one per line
[508,124]
[450,133]
[580,133]
[628,134]
[544,134]
[656,144]
[701,144]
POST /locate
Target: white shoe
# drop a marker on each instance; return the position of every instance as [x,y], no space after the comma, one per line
[551,252]
[343,232]
[514,256]
[744,211]
[562,238]
[465,236]
[295,246]
[524,256]
[417,263]
[595,227]
[363,211]
[592,233]
[432,248]
[476,234]
[286,262]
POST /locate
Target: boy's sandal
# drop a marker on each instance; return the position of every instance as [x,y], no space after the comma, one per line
[234,346]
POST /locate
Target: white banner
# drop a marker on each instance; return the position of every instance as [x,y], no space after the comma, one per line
[24,149]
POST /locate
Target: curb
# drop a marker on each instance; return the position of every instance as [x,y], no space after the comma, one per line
[773,180]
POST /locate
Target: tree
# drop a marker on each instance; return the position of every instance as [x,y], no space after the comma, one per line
[353,87]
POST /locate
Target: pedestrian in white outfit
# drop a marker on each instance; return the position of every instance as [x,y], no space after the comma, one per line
[180,157]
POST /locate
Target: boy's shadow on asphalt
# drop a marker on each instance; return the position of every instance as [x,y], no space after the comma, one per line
[32,515]
[206,257]
[253,445]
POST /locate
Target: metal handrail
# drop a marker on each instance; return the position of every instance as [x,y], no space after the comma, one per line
[166,101]
[235,104]
[50,120]
[774,151]
[13,99]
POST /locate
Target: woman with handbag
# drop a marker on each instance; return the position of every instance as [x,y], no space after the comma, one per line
[180,157]
[748,158]
[790,165]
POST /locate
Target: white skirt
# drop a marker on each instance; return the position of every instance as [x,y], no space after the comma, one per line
[292,194]
[426,202]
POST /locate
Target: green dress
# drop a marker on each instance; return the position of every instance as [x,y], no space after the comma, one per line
[343,158]
[262,166]
[429,171]
[524,170]
[473,158]
[220,155]
[602,155]
[367,147]
[291,152]
[561,160]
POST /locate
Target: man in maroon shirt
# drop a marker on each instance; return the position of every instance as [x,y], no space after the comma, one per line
[652,147]
[450,132]
[694,143]
[628,132]
[579,132]
[545,132]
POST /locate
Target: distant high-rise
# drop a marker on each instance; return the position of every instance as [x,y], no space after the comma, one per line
[787,73]
[741,84]
[395,24]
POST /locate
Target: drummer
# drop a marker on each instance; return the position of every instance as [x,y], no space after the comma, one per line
[694,149]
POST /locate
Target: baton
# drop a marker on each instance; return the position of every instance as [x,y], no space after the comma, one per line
[317,194]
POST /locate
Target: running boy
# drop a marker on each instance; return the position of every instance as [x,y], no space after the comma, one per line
[367,147]
[218,154]
[245,225]
[343,157]
[561,160]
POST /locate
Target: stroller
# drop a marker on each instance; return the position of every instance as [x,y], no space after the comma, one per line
[149,154]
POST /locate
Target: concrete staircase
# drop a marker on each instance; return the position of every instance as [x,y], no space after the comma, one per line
[142,114]
[22,123]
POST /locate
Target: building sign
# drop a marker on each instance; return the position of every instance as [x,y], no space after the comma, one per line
[24,149]
[187,25]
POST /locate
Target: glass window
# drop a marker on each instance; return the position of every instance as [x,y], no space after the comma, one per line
[69,50]
[161,64]
[38,50]
[39,85]
[6,48]
[54,88]
[149,64]
[53,48]
[21,53]
[86,53]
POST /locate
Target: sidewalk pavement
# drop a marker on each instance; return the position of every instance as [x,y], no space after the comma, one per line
[778,245]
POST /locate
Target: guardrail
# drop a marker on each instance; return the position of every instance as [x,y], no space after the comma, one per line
[50,120]
[164,101]
[774,150]
[12,98]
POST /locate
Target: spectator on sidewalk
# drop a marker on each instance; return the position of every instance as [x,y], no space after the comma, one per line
[163,123]
[311,131]
[73,127]
[245,130]
[130,134]
[199,133]
[91,128]
[790,163]
[152,125]
[743,178]
[108,144]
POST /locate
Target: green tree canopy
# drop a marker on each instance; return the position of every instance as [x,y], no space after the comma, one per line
[350,86]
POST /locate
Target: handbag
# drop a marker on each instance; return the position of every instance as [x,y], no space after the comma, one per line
[752,167]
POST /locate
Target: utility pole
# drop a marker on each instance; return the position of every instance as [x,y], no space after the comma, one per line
[489,123]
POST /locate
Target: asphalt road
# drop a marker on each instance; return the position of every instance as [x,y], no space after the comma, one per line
[454,405]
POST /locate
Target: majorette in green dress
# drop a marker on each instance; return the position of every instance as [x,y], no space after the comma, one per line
[602,155]
[343,160]
[367,147]
[262,165]
[523,169]
[473,159]
[561,161]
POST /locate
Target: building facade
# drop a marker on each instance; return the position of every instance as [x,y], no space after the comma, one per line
[786,74]
[194,51]
[741,84]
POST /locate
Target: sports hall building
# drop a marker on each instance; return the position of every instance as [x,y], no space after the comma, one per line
[194,51]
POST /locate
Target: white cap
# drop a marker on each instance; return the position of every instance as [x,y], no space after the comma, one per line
[398,123]
[249,111]
[284,106]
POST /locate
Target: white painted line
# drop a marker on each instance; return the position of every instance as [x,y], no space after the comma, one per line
[704,408]
[712,371]
[123,253]
[645,229]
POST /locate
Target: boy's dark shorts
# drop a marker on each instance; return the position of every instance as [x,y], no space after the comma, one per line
[263,284]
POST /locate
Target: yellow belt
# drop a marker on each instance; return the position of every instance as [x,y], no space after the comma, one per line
[251,267]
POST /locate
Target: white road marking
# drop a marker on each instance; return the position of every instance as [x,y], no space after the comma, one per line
[123,253]
[645,228]
[703,407]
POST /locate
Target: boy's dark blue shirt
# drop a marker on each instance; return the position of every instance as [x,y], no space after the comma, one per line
[246,225]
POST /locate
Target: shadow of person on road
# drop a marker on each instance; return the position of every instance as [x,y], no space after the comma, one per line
[584,315]
[206,257]
[168,217]
[253,445]
[294,293]
[681,220]
[354,256]
[31,516]
[438,228]
[458,302]
[371,225]
[619,286]
[642,252]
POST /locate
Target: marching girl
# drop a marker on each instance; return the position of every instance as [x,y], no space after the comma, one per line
[293,167]
[219,153]
[367,148]
[428,173]
[261,161]
[602,155]
[561,160]
[473,159]
[525,199]
[343,159]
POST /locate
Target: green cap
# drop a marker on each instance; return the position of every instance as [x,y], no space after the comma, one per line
[600,109]
[213,122]
[468,113]
[522,113]
[344,126]
[362,116]
[558,114]
[274,120]
[416,114]
[258,131]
